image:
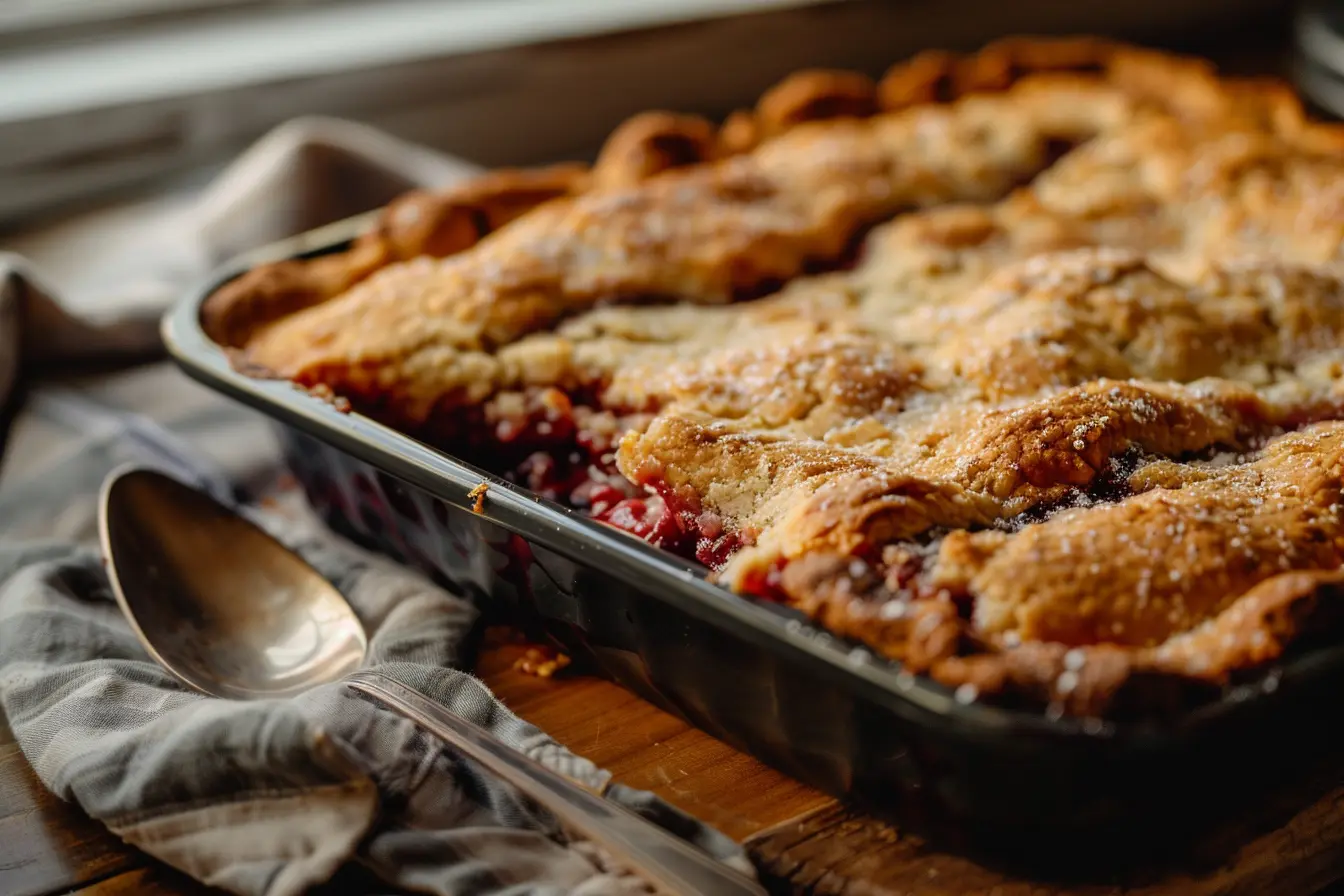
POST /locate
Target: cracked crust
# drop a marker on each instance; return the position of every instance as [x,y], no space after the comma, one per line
[1024,369]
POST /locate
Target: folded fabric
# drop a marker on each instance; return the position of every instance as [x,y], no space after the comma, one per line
[262,797]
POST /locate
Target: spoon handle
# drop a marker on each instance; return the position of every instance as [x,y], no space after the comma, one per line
[668,863]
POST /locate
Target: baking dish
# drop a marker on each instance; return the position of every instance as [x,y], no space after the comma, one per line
[753,673]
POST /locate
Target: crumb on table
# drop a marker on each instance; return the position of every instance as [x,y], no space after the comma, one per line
[543,662]
[323,392]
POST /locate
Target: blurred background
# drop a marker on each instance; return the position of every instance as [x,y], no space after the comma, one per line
[102,97]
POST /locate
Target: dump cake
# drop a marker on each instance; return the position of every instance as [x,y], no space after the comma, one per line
[1024,369]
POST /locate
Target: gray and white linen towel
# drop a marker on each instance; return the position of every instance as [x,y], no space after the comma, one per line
[270,797]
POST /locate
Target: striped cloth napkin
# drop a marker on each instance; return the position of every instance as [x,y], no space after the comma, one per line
[266,798]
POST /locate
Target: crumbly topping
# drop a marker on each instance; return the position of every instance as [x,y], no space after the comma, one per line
[1058,422]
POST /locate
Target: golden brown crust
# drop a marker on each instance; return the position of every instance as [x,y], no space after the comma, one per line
[815,95]
[651,143]
[739,133]
[418,223]
[232,314]
[1062,430]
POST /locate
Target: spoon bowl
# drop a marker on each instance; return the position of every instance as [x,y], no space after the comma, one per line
[215,599]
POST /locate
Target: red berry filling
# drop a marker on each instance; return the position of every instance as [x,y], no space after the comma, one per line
[766,582]
[563,449]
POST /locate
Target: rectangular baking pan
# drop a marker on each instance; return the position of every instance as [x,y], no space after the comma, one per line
[1001,783]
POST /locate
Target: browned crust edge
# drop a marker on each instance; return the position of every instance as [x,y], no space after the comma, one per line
[444,222]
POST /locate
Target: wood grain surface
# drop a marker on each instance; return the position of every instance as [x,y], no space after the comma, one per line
[803,841]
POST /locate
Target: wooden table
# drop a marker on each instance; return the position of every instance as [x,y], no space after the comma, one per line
[803,841]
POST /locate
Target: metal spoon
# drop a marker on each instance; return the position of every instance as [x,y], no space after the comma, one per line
[233,613]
